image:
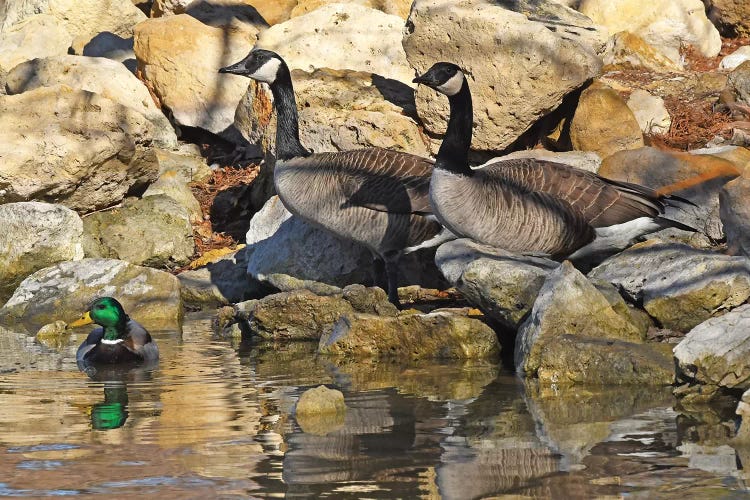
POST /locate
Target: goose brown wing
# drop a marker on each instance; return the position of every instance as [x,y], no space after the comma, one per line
[379,179]
[601,202]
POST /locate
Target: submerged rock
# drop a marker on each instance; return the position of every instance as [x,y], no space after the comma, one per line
[717,351]
[414,336]
[502,284]
[321,399]
[34,236]
[64,291]
[678,285]
[153,231]
[568,304]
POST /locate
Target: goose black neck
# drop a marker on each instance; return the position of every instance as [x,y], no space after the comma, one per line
[453,154]
[288,145]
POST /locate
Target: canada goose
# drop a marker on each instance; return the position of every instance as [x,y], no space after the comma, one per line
[529,205]
[376,197]
[119,340]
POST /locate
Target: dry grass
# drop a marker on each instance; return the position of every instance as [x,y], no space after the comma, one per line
[694,123]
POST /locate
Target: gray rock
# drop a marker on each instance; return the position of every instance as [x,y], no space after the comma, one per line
[650,111]
[413,336]
[678,285]
[72,147]
[717,351]
[510,87]
[221,282]
[102,76]
[153,231]
[500,283]
[739,82]
[570,304]
[63,292]
[286,283]
[278,243]
[371,300]
[734,210]
[34,236]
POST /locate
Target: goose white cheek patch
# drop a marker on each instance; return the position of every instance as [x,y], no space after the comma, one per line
[453,85]
[267,72]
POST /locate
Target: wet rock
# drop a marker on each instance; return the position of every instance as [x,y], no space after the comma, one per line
[41,35]
[510,87]
[184,76]
[54,335]
[567,304]
[717,351]
[338,111]
[82,19]
[603,123]
[650,112]
[664,24]
[414,336]
[502,284]
[678,285]
[64,291]
[734,210]
[320,410]
[72,147]
[172,185]
[697,178]
[153,231]
[105,77]
[298,315]
[371,300]
[34,236]
[625,49]
[223,281]
[585,160]
[278,243]
[345,36]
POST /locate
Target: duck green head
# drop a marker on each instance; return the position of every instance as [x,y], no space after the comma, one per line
[107,312]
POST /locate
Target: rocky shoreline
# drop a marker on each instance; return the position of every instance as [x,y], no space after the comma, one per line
[96,170]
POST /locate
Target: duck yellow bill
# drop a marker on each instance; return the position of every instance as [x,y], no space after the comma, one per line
[83,320]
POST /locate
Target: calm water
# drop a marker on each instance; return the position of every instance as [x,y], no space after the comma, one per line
[215,420]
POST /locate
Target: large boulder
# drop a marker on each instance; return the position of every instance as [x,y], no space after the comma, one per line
[513,80]
[102,76]
[678,285]
[664,24]
[695,177]
[153,231]
[628,50]
[64,291]
[568,303]
[34,236]
[398,8]
[72,147]
[82,18]
[414,336]
[603,123]
[342,36]
[734,210]
[502,284]
[717,351]
[179,58]
[38,36]
[338,111]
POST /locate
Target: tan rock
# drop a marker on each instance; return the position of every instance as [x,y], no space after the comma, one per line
[320,410]
[338,111]
[663,24]
[732,16]
[41,35]
[72,147]
[171,184]
[625,49]
[342,36]
[395,7]
[513,82]
[179,58]
[603,123]
[188,163]
[413,336]
[650,112]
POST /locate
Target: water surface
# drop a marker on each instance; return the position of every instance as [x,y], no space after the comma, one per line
[215,419]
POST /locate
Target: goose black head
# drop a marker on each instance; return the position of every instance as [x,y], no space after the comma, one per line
[259,64]
[445,77]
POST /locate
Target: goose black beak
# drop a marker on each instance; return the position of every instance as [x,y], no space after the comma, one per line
[237,68]
[421,79]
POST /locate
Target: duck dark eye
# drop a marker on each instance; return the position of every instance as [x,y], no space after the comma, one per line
[100,306]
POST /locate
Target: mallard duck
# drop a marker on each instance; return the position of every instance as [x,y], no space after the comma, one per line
[120,340]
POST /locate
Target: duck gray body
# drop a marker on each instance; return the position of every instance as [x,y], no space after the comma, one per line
[376,197]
